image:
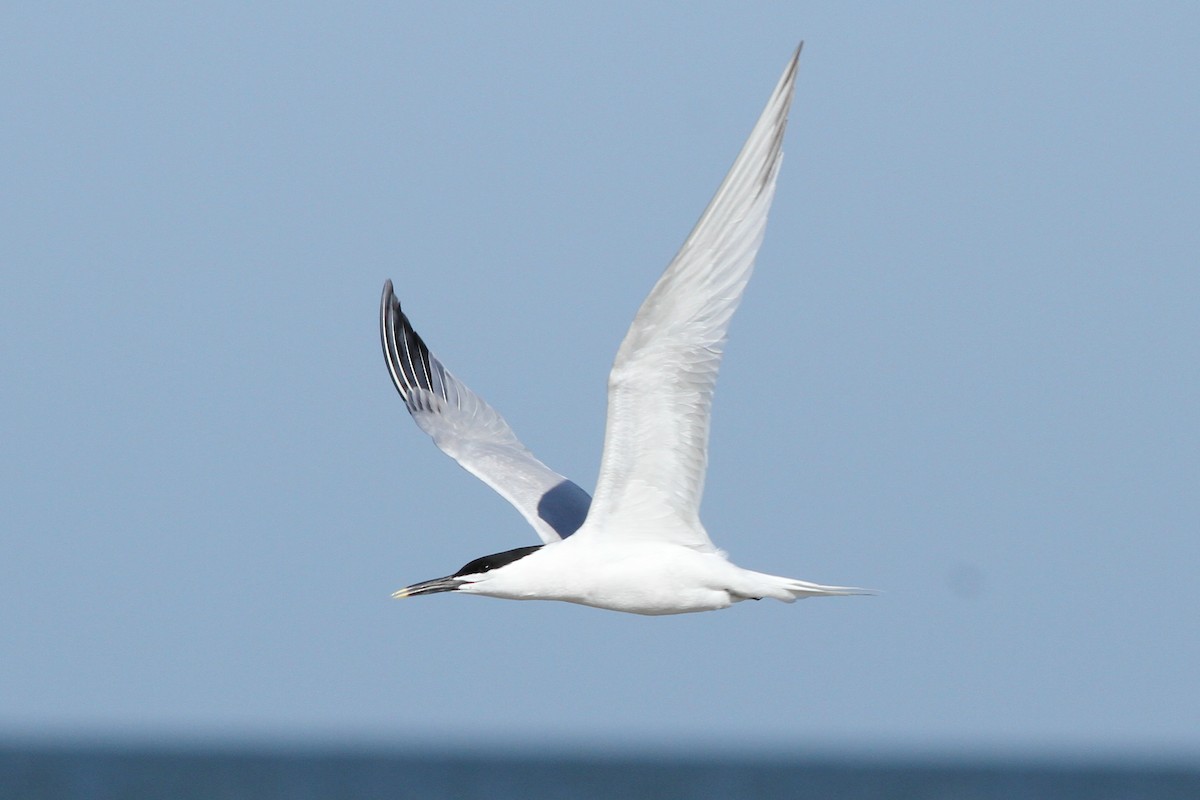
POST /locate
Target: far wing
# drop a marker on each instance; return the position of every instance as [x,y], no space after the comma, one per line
[661,385]
[471,432]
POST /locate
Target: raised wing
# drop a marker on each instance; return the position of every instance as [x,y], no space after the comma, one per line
[471,432]
[661,385]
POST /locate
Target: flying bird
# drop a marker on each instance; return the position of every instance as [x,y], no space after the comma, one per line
[638,546]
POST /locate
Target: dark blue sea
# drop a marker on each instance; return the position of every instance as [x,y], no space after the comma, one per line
[97,773]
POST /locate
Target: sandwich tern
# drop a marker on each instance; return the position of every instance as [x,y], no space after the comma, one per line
[638,545]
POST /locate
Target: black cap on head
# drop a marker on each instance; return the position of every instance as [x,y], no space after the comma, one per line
[495,561]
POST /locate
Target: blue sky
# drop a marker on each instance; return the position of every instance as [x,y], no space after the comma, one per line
[965,372]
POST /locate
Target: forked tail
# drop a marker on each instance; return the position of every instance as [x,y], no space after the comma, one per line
[760,584]
[801,589]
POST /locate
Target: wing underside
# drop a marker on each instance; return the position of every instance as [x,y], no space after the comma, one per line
[661,385]
[471,432]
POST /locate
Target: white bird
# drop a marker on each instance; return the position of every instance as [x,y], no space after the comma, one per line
[638,546]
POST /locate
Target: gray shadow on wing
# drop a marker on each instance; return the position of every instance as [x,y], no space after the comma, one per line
[564,508]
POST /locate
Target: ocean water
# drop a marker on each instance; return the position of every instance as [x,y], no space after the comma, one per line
[79,773]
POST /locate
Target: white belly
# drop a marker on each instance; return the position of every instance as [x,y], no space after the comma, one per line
[650,578]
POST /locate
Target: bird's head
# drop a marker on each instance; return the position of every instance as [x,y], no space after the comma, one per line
[474,572]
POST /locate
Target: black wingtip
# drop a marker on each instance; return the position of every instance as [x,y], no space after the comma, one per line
[407,356]
[385,303]
[388,305]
